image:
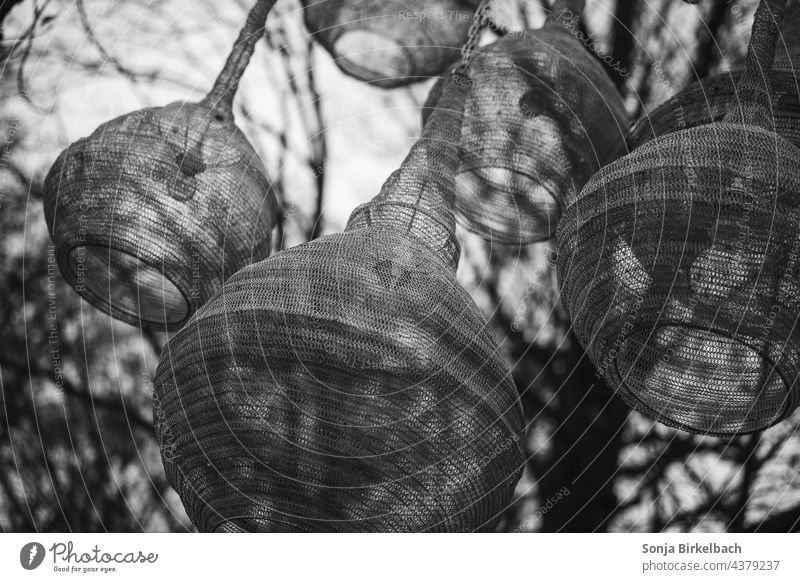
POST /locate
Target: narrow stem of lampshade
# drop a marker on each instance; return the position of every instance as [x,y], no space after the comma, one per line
[220,98]
[419,197]
[752,102]
[428,172]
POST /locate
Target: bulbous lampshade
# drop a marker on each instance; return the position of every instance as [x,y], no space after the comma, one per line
[349,383]
[679,266]
[542,117]
[392,42]
[155,209]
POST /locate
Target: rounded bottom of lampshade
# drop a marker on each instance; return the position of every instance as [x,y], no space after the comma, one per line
[126,287]
[506,206]
[701,380]
[373,57]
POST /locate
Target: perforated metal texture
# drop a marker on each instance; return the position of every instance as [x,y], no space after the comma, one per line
[168,191]
[543,116]
[350,383]
[155,209]
[393,42]
[678,266]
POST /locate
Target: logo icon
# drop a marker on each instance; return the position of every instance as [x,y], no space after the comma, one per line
[31,555]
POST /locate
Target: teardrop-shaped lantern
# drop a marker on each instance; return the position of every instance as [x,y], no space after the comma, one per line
[707,100]
[349,383]
[392,42]
[542,117]
[155,209]
[680,265]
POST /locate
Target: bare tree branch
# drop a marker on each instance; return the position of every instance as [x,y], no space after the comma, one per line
[706,54]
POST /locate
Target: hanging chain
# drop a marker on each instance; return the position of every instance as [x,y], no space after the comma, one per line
[479,21]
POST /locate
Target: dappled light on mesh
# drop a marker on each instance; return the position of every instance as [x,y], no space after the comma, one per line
[685,386]
[679,266]
[392,42]
[174,198]
[349,383]
[543,116]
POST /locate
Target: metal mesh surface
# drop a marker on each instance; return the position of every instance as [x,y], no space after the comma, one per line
[155,209]
[543,116]
[679,268]
[349,383]
[392,42]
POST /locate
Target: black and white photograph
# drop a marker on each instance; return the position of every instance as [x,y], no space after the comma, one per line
[400,266]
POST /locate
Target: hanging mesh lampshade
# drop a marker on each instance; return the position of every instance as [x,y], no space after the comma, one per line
[393,42]
[707,100]
[155,209]
[679,268]
[349,383]
[542,118]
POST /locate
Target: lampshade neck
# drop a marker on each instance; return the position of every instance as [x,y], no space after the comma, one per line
[220,98]
[752,102]
[418,198]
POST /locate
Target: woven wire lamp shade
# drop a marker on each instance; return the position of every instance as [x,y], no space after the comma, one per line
[155,209]
[542,117]
[349,383]
[679,266]
[392,42]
